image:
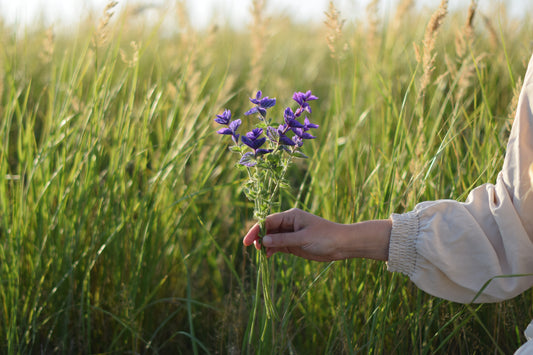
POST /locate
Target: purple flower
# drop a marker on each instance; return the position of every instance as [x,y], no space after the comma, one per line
[300,132]
[262,151]
[231,130]
[290,119]
[261,104]
[224,118]
[308,124]
[283,139]
[252,140]
[302,100]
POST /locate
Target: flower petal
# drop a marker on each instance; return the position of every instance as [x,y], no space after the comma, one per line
[251,111]
[224,118]
[225,130]
[235,124]
[283,139]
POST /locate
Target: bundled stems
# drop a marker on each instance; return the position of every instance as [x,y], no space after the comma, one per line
[266,153]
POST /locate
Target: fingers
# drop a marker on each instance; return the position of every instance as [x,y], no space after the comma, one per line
[284,240]
[279,227]
[282,221]
[252,236]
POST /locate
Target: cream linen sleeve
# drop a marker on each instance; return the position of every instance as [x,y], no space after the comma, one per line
[451,249]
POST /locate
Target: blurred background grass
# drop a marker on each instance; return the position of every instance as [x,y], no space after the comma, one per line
[121,214]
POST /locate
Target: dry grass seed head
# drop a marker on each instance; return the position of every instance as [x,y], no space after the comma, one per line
[47,51]
[334,25]
[466,73]
[514,102]
[102,32]
[258,30]
[401,12]
[183,16]
[428,56]
[372,15]
[464,39]
[493,34]
[134,57]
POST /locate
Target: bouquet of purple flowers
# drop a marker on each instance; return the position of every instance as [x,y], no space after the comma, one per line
[265,153]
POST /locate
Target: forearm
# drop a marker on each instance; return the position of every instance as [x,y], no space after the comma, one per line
[368,239]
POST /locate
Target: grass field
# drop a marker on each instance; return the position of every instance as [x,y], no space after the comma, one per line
[121,212]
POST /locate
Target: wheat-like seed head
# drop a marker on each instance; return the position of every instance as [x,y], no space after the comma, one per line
[102,32]
[428,57]
[258,30]
[47,51]
[134,57]
[373,23]
[401,12]
[183,17]
[493,34]
[334,24]
[464,39]
[514,102]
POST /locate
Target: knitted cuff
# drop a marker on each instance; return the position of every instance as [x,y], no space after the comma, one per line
[402,248]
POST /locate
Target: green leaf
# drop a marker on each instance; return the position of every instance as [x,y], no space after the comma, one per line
[298,154]
[237,148]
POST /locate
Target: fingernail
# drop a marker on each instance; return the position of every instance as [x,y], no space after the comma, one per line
[267,239]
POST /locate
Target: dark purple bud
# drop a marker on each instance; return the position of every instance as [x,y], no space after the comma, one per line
[261,104]
[251,111]
[261,151]
[257,99]
[267,102]
[302,134]
[302,99]
[253,143]
[288,114]
[254,134]
[284,140]
[298,97]
[234,125]
[290,118]
[224,118]
[225,130]
[309,96]
[262,111]
[282,128]
[308,124]
[292,123]
[231,130]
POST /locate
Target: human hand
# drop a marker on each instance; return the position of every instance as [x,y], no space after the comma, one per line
[299,233]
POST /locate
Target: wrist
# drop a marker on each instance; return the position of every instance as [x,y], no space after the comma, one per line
[368,239]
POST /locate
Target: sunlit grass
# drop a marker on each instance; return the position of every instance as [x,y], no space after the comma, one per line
[121,215]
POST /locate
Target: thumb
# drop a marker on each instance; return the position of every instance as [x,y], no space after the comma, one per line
[284,240]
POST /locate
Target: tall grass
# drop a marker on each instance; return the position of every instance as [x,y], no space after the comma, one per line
[121,214]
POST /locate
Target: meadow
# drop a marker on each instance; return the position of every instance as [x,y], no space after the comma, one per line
[122,214]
